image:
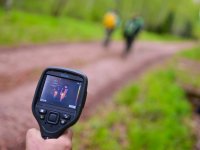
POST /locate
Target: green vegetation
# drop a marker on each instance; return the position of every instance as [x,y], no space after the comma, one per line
[36,21]
[152,114]
[187,68]
[193,54]
[25,28]
[18,28]
[151,36]
[160,16]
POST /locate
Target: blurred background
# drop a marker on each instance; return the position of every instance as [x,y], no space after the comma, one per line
[145,99]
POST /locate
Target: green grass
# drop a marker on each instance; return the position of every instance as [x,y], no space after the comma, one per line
[150,36]
[193,54]
[20,28]
[187,67]
[152,114]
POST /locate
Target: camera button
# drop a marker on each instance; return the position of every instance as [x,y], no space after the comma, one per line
[53,118]
[42,111]
[63,121]
[42,117]
[66,116]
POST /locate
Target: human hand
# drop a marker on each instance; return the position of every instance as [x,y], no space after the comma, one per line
[34,141]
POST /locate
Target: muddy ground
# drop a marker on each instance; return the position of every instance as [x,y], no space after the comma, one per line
[107,71]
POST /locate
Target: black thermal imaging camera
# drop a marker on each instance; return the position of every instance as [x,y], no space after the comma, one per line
[59,99]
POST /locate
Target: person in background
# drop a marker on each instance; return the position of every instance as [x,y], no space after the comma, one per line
[131,30]
[110,22]
[34,141]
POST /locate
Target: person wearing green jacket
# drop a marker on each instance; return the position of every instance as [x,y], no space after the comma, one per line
[131,30]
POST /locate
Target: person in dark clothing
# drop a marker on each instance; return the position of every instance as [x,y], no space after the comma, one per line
[131,30]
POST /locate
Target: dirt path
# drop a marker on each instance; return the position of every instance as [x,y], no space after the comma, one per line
[106,70]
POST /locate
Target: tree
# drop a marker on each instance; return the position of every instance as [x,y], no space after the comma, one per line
[58,7]
[6,4]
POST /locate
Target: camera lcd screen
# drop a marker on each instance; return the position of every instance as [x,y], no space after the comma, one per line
[60,92]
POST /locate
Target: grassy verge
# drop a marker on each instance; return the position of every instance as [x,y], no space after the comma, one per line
[150,36]
[152,114]
[22,28]
[187,68]
[19,28]
[193,54]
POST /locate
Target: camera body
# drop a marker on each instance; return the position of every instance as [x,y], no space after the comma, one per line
[59,99]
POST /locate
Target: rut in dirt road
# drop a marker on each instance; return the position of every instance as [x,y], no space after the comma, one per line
[105,70]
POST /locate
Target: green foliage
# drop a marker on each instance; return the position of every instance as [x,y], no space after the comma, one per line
[38,25]
[150,115]
[193,53]
[36,6]
[130,93]
[151,36]
[185,19]
[161,16]
[22,28]
[89,9]
[158,114]
[19,28]
[187,69]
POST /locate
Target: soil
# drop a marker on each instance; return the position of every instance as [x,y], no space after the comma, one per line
[107,71]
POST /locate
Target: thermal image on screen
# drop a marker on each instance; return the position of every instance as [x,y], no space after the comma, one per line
[61,92]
